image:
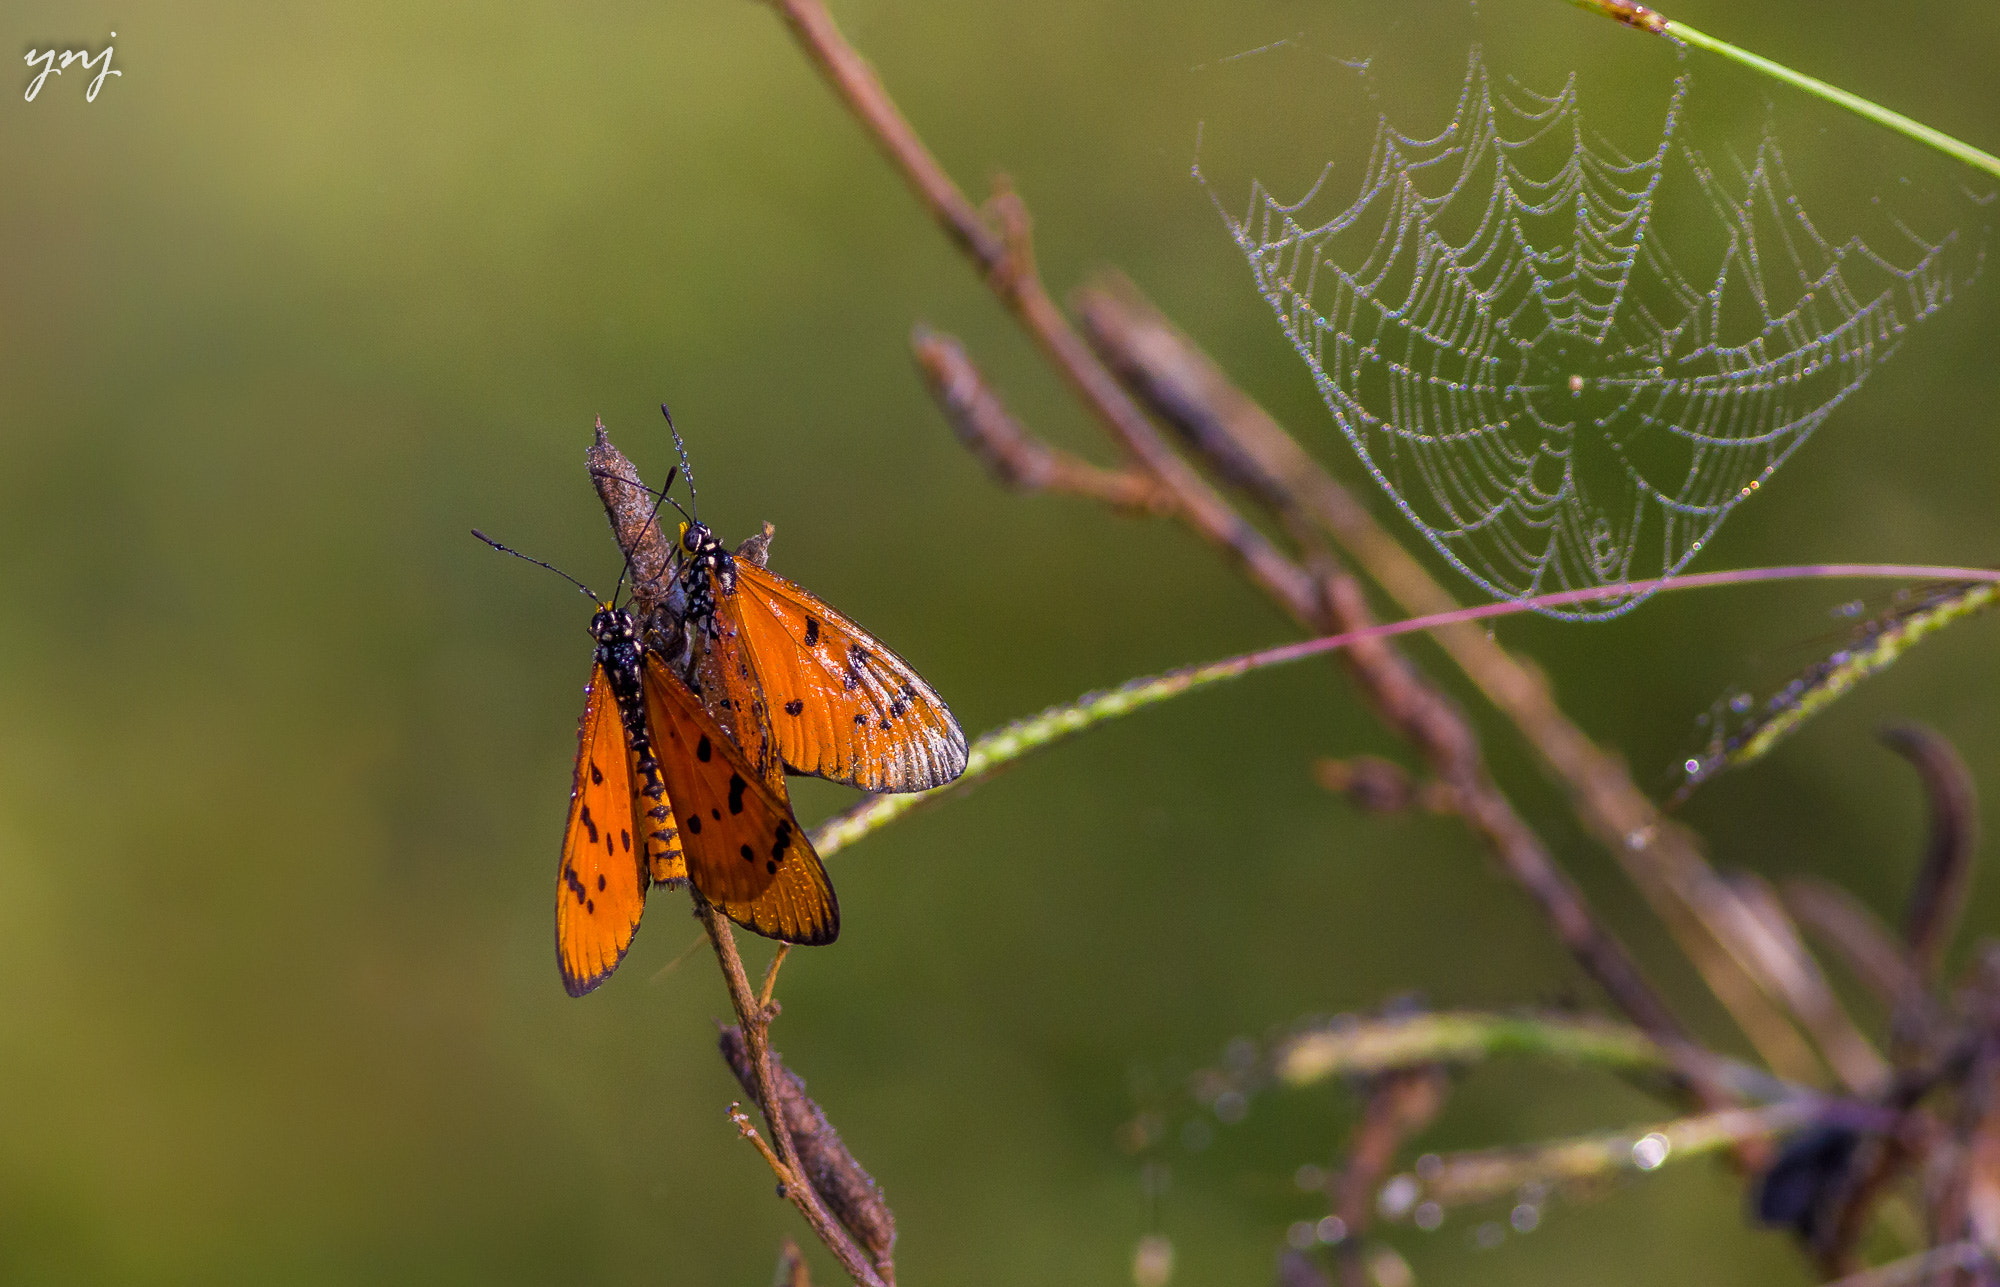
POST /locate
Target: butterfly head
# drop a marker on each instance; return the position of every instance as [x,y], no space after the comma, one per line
[706,554]
[613,626]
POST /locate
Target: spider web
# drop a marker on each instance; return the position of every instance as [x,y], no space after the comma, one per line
[1499,333]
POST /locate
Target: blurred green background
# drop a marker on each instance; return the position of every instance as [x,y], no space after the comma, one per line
[307,292]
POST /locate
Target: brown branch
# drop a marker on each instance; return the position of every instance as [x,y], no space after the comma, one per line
[1010,453]
[1003,252]
[632,511]
[755,1025]
[1399,1105]
[849,1192]
[1937,898]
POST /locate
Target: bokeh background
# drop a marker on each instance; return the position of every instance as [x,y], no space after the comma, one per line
[309,291]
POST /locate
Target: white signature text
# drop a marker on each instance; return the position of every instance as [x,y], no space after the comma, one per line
[47,60]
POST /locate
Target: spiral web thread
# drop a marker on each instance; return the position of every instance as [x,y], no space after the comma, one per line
[1497,330]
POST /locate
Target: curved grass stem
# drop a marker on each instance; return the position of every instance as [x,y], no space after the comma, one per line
[993,751]
[1633,15]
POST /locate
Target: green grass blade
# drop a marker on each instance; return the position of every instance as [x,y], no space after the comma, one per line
[1645,19]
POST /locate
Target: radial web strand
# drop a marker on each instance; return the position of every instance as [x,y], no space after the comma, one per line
[1497,329]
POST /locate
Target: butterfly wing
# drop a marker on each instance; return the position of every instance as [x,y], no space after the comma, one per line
[840,705]
[601,885]
[745,851]
[729,690]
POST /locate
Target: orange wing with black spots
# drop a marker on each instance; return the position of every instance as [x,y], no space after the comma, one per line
[727,685]
[613,827]
[745,851]
[840,705]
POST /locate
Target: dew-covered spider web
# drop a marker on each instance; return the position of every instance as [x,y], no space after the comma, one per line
[1498,329]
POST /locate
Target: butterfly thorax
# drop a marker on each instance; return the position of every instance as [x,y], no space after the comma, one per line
[710,567]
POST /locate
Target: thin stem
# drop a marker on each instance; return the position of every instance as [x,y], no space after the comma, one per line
[1373,1046]
[993,751]
[1367,1047]
[1644,19]
[1460,1178]
[755,1023]
[1937,899]
[771,978]
[748,1131]
[1001,248]
[1009,452]
[1400,1104]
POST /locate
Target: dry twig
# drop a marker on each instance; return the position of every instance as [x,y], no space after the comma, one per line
[1013,456]
[849,1192]
[1938,897]
[1399,1105]
[755,1027]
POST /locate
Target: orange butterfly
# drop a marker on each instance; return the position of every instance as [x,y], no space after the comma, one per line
[666,760]
[662,795]
[802,687]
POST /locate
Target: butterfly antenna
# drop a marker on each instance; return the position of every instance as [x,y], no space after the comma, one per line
[664,499]
[687,470]
[651,519]
[537,562]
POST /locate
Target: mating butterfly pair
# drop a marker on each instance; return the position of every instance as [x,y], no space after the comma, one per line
[683,778]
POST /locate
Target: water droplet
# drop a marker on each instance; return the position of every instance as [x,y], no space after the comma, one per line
[1650,1151]
[1331,1229]
[1428,1216]
[1397,1197]
[1525,1217]
[1300,1236]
